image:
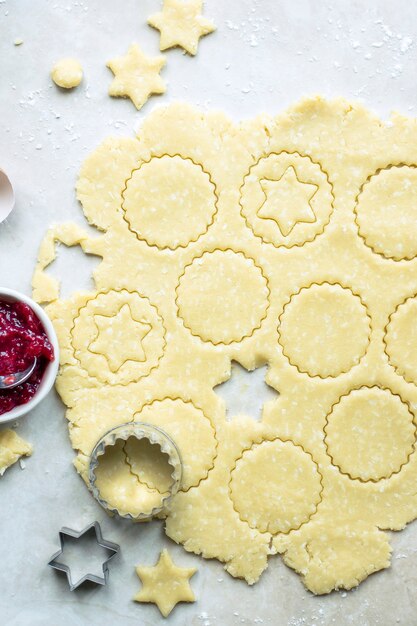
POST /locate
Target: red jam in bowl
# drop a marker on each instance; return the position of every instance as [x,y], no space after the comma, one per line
[22,338]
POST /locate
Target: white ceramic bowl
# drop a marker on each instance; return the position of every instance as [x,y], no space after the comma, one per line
[6,195]
[51,370]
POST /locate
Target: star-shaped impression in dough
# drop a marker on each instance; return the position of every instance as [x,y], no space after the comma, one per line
[287,201]
[120,337]
[136,76]
[165,584]
[181,24]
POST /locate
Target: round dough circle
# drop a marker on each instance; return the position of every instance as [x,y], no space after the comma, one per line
[289,492]
[118,337]
[386,212]
[370,434]
[286,199]
[191,431]
[401,340]
[169,202]
[324,330]
[222,296]
[67,73]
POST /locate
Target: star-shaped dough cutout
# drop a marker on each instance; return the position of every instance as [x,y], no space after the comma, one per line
[119,338]
[136,76]
[287,201]
[181,24]
[165,584]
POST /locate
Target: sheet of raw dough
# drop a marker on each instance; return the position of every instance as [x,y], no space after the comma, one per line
[288,250]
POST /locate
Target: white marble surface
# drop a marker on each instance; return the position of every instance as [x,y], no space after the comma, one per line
[264,55]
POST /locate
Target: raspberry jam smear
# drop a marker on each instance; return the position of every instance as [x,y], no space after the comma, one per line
[22,338]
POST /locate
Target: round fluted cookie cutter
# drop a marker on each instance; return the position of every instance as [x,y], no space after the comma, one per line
[139,430]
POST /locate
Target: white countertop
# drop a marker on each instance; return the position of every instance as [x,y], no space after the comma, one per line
[265,55]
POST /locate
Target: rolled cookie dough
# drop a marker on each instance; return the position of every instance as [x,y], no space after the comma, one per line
[289,254]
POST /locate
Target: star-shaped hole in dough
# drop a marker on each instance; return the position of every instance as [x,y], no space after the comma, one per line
[165,584]
[119,338]
[181,24]
[136,76]
[287,201]
[246,392]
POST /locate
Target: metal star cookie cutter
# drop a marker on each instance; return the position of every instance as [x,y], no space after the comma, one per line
[155,435]
[110,546]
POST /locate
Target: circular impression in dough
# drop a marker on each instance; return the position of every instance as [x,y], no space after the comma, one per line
[370,434]
[222,297]
[135,469]
[401,340]
[324,330]
[288,490]
[67,73]
[118,336]
[386,212]
[286,199]
[192,431]
[169,202]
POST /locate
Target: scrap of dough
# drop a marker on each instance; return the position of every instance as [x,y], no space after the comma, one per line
[181,24]
[165,584]
[136,76]
[331,315]
[67,73]
[12,447]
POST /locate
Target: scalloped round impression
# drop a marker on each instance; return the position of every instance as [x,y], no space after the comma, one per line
[222,297]
[169,202]
[324,330]
[288,492]
[286,199]
[386,212]
[370,434]
[192,432]
[401,340]
[118,336]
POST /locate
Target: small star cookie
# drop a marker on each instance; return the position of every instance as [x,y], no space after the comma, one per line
[165,584]
[136,76]
[181,24]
